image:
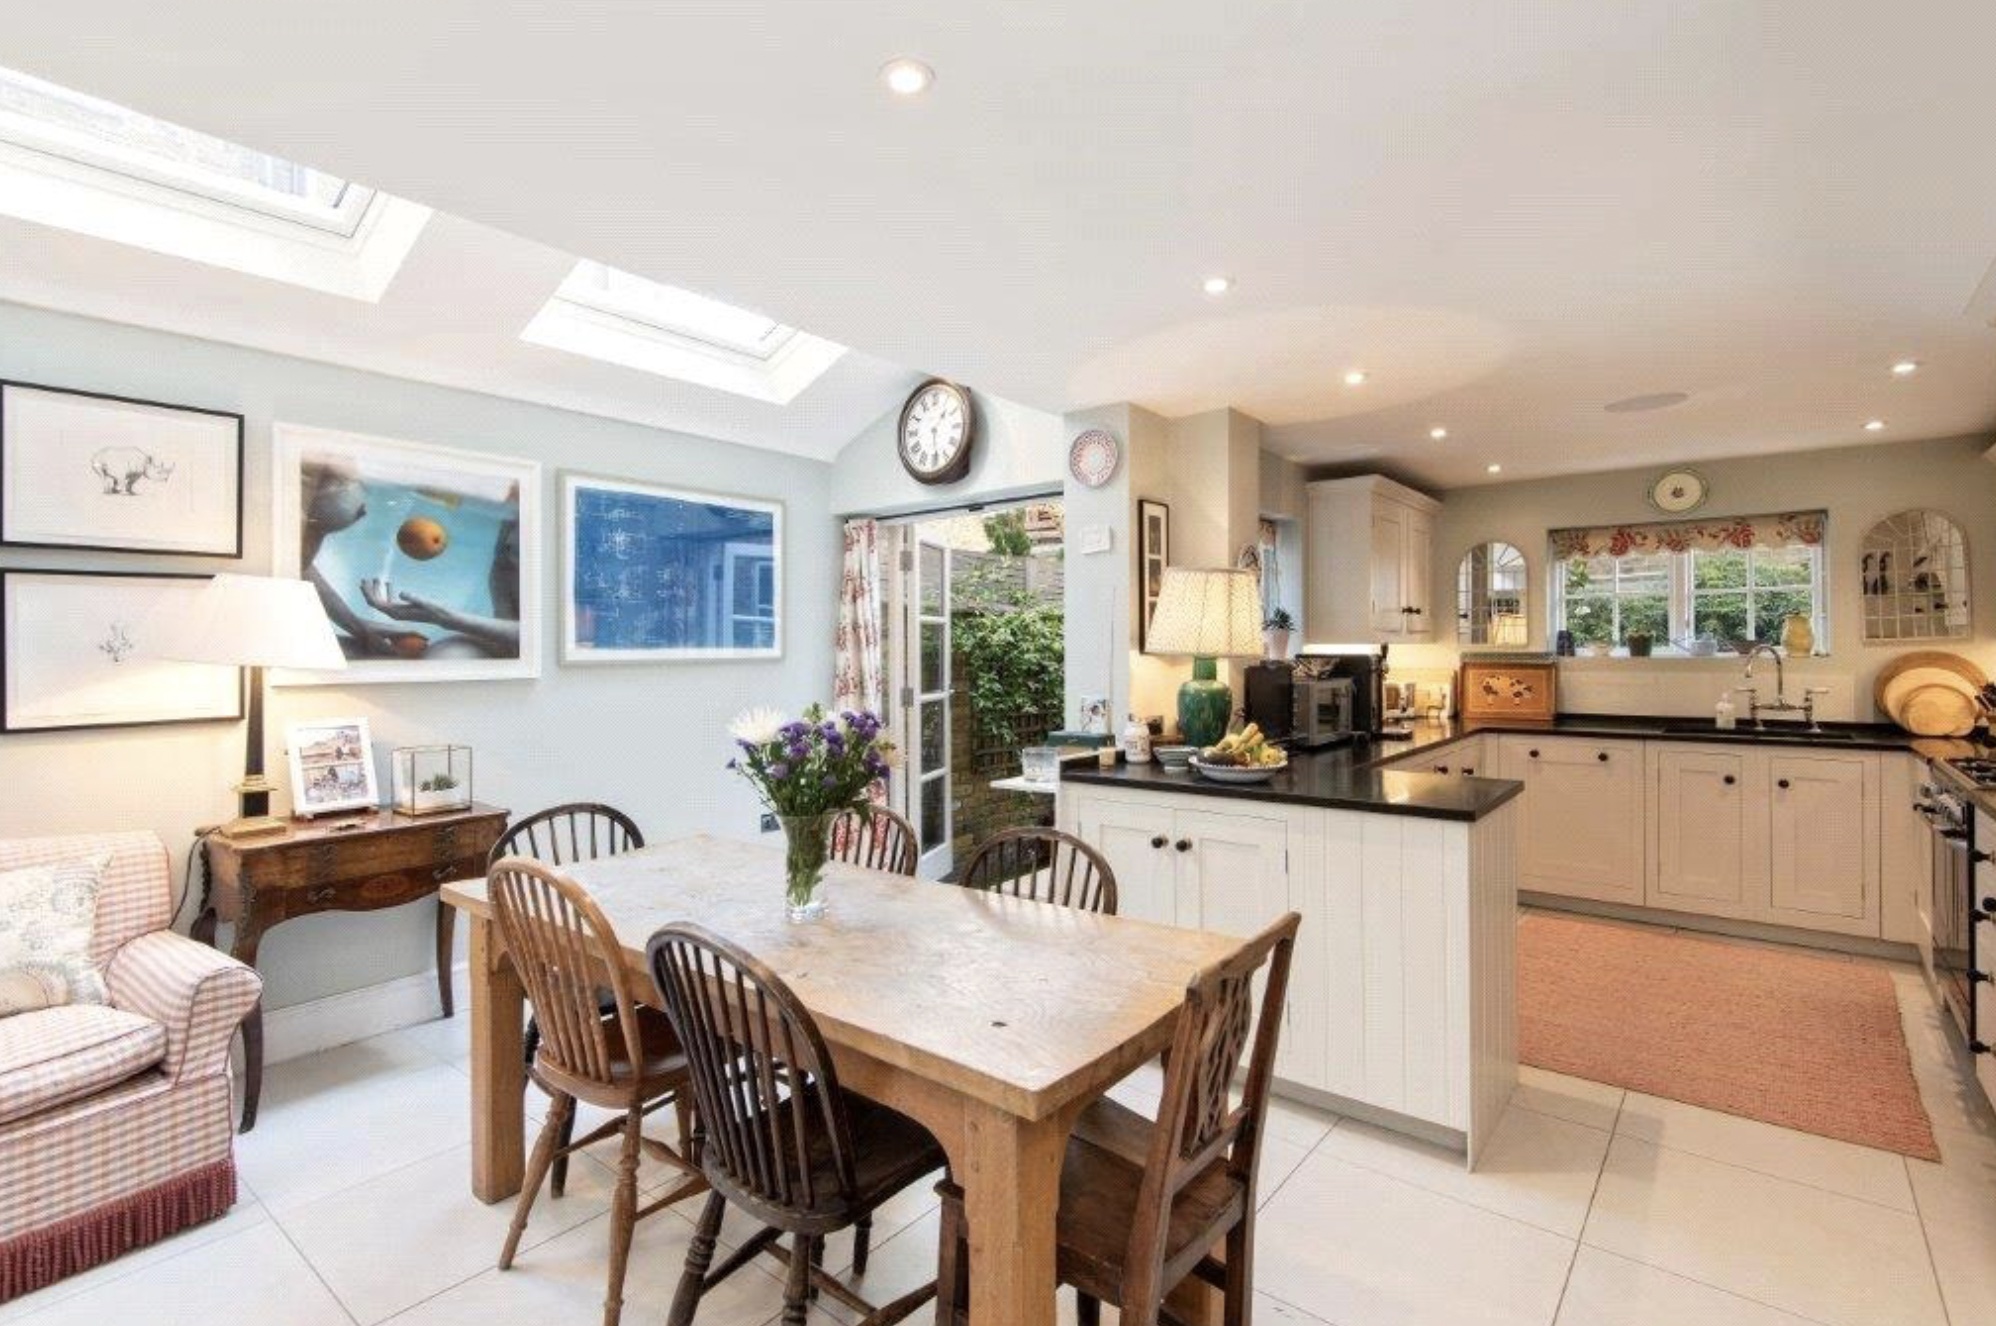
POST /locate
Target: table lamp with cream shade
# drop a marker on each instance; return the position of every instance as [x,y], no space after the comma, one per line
[1209,614]
[252,622]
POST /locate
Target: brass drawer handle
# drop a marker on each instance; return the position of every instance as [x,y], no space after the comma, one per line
[444,872]
[325,893]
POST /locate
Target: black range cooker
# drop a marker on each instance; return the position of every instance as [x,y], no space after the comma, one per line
[1964,898]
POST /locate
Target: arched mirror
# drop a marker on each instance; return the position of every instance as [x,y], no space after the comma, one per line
[1914,577]
[1490,597]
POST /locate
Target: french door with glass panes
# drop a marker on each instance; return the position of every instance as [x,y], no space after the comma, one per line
[920,653]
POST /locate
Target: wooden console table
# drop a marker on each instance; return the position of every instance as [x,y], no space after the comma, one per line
[348,863]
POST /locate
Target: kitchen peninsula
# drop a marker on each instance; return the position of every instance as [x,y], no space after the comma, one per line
[1402,1004]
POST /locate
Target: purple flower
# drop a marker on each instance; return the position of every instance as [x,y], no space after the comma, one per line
[798,751]
[779,770]
[734,764]
[829,780]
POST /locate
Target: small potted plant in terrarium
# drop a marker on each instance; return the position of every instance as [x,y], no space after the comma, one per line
[432,780]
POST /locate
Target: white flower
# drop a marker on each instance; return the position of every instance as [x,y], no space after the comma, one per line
[757,726]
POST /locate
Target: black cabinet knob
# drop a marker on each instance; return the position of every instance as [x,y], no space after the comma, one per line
[1534,754]
[1441,768]
[1468,772]
[1730,780]
[1159,841]
[1781,783]
[1183,844]
[1601,756]
[1989,906]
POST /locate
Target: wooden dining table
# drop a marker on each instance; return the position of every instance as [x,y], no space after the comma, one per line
[993,1021]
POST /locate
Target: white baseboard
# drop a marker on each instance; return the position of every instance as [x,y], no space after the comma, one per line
[354,1015]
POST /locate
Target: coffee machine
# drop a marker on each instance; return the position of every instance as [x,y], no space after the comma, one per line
[1363,668]
[1270,698]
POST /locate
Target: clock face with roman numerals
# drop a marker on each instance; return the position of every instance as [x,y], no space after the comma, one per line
[937,425]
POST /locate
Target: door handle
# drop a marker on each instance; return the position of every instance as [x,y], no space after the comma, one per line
[1183,844]
[1159,841]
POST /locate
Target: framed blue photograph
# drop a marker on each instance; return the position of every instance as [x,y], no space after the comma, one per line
[652,574]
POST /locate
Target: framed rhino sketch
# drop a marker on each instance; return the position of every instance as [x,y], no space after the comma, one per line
[80,469]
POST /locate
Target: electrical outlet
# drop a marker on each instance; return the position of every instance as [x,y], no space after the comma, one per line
[768,822]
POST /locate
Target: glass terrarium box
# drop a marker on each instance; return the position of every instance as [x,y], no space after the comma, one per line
[431,780]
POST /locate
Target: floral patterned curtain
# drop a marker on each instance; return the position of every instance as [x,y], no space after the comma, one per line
[1794,528]
[860,677]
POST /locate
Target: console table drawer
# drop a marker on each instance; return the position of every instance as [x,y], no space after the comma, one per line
[385,888]
[313,865]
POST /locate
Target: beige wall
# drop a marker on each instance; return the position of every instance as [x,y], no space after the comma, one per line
[647,737]
[1856,485]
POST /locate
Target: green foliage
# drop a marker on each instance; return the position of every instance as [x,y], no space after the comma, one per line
[1013,664]
[1279,620]
[1007,532]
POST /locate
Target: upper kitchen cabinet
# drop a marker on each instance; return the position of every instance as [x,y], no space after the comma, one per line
[1371,562]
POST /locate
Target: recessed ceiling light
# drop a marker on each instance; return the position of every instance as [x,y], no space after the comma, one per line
[1874,426]
[1905,368]
[1659,400]
[1217,285]
[1493,469]
[1355,377]
[907,77]
[1437,434]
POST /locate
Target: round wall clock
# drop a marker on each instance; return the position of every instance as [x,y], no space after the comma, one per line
[937,426]
[1092,458]
[1678,492]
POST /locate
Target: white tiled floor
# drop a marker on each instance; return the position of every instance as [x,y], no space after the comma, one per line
[1593,1208]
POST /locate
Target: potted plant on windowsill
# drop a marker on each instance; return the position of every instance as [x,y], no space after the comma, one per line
[1275,629]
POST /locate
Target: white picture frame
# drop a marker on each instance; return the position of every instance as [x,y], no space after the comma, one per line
[447,542]
[658,574]
[84,470]
[73,655]
[332,767]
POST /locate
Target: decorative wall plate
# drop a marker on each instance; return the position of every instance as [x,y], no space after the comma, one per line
[1679,491]
[1092,457]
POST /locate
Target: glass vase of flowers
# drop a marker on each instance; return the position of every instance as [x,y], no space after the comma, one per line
[809,771]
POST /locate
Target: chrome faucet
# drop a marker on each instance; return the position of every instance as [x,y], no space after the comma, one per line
[1781,704]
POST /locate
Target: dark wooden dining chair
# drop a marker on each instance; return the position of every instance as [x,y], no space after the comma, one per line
[1143,1202]
[886,843]
[777,1135]
[1046,865]
[567,835]
[565,952]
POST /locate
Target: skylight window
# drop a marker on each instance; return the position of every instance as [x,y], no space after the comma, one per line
[43,117]
[78,163]
[613,316]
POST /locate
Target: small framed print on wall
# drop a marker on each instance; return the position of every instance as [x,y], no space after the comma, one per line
[112,474]
[1153,555]
[73,654]
[332,767]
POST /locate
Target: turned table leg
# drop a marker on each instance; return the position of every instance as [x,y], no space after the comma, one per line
[446,954]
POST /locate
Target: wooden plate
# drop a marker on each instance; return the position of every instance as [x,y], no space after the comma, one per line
[1927,658]
[1896,691]
[1937,711]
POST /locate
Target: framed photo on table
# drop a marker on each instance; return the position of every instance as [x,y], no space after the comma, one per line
[112,474]
[652,574]
[426,559]
[73,654]
[1153,555]
[332,767]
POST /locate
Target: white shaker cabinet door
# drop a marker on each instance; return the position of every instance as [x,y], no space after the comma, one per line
[1825,862]
[1233,870]
[1136,839]
[1709,830]
[1581,830]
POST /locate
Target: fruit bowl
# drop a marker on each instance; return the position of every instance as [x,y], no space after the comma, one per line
[1237,773]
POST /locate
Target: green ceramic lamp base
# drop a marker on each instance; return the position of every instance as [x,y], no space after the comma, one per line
[1204,705]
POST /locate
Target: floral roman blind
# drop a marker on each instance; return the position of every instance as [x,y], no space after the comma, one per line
[1788,530]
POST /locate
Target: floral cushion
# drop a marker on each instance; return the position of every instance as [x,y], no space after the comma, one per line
[47,915]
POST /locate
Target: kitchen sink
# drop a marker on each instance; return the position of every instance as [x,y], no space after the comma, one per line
[1789,732]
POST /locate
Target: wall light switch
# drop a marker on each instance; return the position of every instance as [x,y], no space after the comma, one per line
[1096,539]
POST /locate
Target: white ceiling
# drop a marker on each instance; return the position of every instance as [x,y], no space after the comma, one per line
[1509,214]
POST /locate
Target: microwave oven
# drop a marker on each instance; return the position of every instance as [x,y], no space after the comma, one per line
[1325,711]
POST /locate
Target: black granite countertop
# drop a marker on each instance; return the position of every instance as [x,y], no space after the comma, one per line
[1350,778]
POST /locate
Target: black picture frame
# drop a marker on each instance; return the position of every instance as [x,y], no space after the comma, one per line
[8,536]
[8,722]
[1153,544]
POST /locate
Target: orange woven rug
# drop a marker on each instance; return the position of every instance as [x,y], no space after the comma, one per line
[1804,1042]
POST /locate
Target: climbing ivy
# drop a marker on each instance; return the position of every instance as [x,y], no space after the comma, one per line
[1013,666]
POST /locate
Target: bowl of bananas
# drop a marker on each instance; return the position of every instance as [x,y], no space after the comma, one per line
[1245,756]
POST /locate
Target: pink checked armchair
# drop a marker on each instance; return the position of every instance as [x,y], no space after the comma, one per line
[115,1121]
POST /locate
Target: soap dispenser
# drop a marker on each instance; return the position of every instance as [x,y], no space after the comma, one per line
[1726,715]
